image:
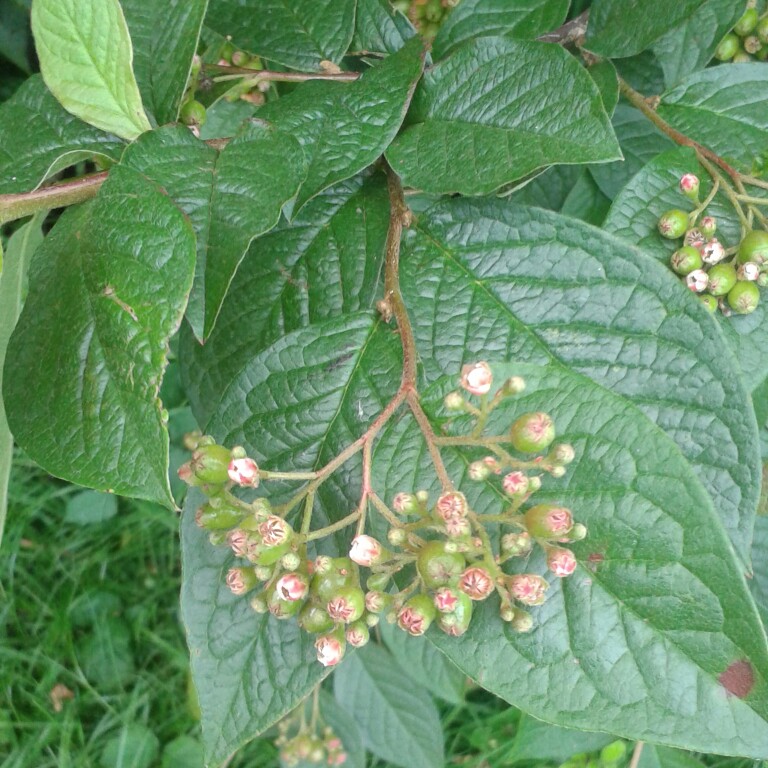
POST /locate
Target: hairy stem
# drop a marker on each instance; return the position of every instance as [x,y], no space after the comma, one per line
[430,439]
[267,75]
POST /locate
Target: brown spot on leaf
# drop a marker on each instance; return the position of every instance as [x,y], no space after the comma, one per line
[738,679]
[594,560]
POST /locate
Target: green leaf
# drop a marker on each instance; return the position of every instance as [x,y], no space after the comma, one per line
[495,111]
[658,597]
[344,127]
[38,137]
[525,19]
[640,142]
[536,740]
[654,756]
[183,752]
[135,747]
[689,46]
[325,262]
[249,669]
[607,81]
[428,668]
[85,57]
[533,285]
[13,275]
[107,290]
[231,197]
[89,507]
[299,34]
[586,201]
[105,654]
[759,583]
[723,108]
[549,189]
[617,28]
[379,28]
[164,37]
[15,35]
[634,216]
[398,720]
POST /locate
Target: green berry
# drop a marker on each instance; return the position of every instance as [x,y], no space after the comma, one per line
[336,572]
[547,521]
[673,224]
[416,615]
[437,567]
[457,621]
[686,259]
[315,619]
[742,57]
[762,54]
[532,432]
[193,113]
[709,302]
[747,22]
[752,44]
[744,297]
[762,30]
[613,752]
[722,277]
[754,247]
[221,518]
[727,48]
[346,604]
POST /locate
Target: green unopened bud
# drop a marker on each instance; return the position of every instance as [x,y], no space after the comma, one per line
[727,47]
[218,519]
[747,22]
[397,536]
[673,224]
[357,634]
[562,453]
[290,561]
[534,484]
[516,544]
[762,29]
[507,613]
[523,621]
[457,621]
[437,567]
[532,432]
[722,277]
[754,247]
[744,297]
[241,580]
[546,521]
[762,280]
[314,619]
[454,401]
[193,113]
[478,470]
[422,497]
[578,532]
[407,504]
[557,471]
[377,581]
[259,603]
[741,57]
[346,604]
[340,572]
[377,601]
[513,385]
[709,302]
[209,464]
[371,619]
[708,226]
[264,572]
[416,615]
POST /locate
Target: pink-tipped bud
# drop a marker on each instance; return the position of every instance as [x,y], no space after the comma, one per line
[478,470]
[477,378]
[697,281]
[241,580]
[365,551]
[476,583]
[748,271]
[377,601]
[275,531]
[712,251]
[493,464]
[708,226]
[291,587]
[451,505]
[689,185]
[445,600]
[528,588]
[694,238]
[454,401]
[330,650]
[457,528]
[347,605]
[417,615]
[244,472]
[515,483]
[238,542]
[546,521]
[323,564]
[406,504]
[561,562]
[357,634]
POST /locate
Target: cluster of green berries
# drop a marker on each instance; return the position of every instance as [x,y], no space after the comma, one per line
[612,755]
[747,41]
[426,15]
[309,747]
[729,284]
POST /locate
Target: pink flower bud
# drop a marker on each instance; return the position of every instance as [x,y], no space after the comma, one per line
[476,582]
[478,470]
[405,504]
[274,530]
[446,600]
[376,600]
[748,271]
[689,185]
[457,527]
[477,378]
[451,505]
[241,580]
[546,521]
[708,226]
[357,634]
[493,464]
[528,588]
[712,252]
[417,615]
[244,472]
[238,542]
[291,587]
[365,551]
[697,280]
[330,650]
[694,238]
[515,483]
[561,562]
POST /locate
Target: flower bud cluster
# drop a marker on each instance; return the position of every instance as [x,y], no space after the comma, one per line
[307,746]
[425,15]
[747,41]
[725,279]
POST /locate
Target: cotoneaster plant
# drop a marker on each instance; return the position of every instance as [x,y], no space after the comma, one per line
[441,282]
